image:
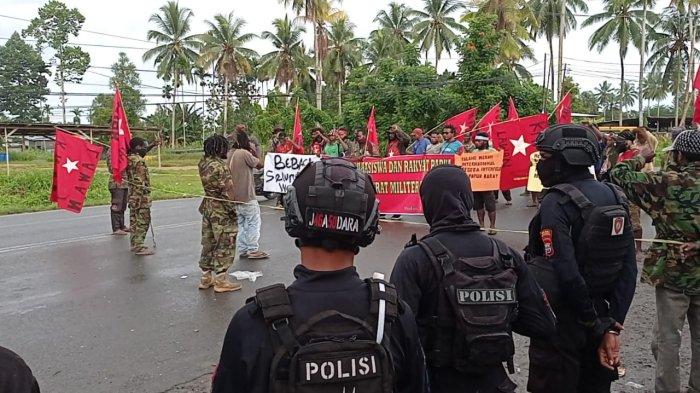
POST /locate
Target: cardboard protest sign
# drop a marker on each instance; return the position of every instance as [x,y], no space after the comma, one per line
[280,170]
[483,169]
[533,181]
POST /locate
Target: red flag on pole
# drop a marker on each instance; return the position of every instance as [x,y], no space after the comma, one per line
[297,137]
[517,140]
[121,136]
[696,81]
[75,162]
[563,110]
[372,136]
[463,122]
[696,86]
[512,110]
[491,117]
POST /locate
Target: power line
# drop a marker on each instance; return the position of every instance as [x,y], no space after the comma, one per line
[87,31]
[91,45]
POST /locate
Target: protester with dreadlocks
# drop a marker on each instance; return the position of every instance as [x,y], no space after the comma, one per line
[219,227]
[139,195]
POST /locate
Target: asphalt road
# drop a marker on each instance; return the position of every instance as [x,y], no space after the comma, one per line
[87,316]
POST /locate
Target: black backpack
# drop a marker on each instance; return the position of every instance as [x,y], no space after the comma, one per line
[604,239]
[331,351]
[472,331]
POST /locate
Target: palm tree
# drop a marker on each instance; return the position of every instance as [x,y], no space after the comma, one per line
[670,52]
[436,28]
[642,52]
[605,96]
[622,25]
[289,46]
[381,45]
[77,112]
[46,113]
[655,89]
[318,13]
[223,47]
[175,49]
[628,94]
[399,21]
[548,12]
[512,19]
[343,53]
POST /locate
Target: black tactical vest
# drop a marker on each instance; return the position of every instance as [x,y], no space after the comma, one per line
[471,331]
[331,351]
[601,243]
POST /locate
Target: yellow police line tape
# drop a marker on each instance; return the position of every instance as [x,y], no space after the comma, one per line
[185,195]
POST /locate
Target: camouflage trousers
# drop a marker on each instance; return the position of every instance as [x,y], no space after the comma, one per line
[219,231]
[139,220]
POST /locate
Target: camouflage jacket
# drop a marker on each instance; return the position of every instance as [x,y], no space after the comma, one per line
[672,199]
[139,182]
[217,183]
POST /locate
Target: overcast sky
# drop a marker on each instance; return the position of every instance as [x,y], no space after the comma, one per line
[129,18]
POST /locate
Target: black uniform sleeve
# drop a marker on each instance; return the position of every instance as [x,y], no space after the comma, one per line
[556,235]
[412,376]
[624,291]
[535,317]
[245,357]
[405,276]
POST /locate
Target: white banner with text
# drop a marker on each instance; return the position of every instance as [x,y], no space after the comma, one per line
[281,169]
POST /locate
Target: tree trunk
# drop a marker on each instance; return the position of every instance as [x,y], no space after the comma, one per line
[319,65]
[172,117]
[691,66]
[658,108]
[437,58]
[340,98]
[182,109]
[223,128]
[642,52]
[562,30]
[551,68]
[63,94]
[678,88]
[622,85]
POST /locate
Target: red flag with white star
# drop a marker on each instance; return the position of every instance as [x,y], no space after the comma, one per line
[463,123]
[563,110]
[517,140]
[121,136]
[512,110]
[372,136]
[491,117]
[75,162]
[297,137]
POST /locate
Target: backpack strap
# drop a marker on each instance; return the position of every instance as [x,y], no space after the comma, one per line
[620,196]
[501,252]
[276,308]
[576,196]
[442,259]
[383,305]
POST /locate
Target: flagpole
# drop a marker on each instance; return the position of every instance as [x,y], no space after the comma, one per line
[555,108]
[367,136]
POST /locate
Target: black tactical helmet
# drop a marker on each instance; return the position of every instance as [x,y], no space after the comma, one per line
[332,204]
[576,144]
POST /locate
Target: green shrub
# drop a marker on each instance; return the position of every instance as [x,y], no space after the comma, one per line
[31,155]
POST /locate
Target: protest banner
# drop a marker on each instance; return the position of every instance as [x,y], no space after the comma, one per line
[280,170]
[533,181]
[483,169]
[398,179]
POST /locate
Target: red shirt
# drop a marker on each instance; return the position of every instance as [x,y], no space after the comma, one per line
[392,148]
[317,148]
[629,154]
[286,147]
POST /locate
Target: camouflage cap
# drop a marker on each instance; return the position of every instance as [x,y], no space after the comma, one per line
[686,142]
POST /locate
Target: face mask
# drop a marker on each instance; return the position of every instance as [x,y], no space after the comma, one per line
[547,171]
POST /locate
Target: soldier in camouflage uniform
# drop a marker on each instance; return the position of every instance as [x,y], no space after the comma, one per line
[219,228]
[140,195]
[672,199]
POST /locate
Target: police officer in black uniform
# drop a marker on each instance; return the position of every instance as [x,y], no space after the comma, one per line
[329,331]
[469,292]
[581,249]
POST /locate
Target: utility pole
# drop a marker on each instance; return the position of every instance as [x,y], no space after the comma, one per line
[562,31]
[544,85]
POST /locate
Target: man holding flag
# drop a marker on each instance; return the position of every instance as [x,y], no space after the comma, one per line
[140,195]
[116,164]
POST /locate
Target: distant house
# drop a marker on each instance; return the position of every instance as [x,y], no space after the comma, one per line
[38,142]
